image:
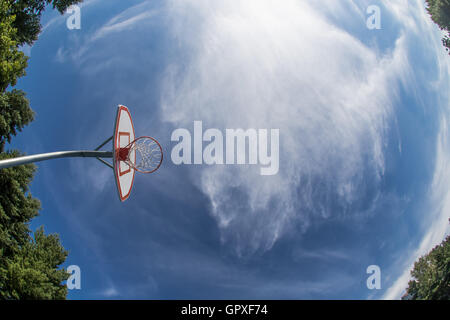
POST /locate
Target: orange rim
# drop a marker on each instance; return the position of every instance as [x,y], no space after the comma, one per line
[160,148]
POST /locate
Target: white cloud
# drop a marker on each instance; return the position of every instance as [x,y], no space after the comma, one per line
[262,64]
[60,19]
[266,64]
[439,227]
[81,48]
[322,254]
[126,24]
[110,292]
[436,224]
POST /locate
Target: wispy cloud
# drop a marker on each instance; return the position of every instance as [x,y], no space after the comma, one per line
[251,64]
[118,26]
[439,202]
[259,64]
[323,255]
[110,292]
[59,19]
[438,198]
[126,20]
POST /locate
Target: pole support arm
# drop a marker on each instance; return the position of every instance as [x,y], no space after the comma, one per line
[54,155]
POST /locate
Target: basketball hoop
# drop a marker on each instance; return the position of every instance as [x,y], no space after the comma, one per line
[129,154]
[144,154]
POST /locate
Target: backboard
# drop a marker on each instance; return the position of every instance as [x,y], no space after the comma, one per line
[130,154]
[123,136]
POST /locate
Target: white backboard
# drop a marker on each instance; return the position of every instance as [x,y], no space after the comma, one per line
[123,135]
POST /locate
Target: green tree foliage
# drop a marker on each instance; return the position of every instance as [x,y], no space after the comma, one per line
[15,113]
[12,61]
[16,206]
[439,11]
[28,15]
[446,42]
[29,265]
[431,275]
[33,272]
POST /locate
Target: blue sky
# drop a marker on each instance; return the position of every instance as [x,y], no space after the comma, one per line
[364,152]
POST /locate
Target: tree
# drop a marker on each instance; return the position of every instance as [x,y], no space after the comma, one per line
[439,11]
[33,272]
[446,42]
[431,275]
[12,61]
[29,264]
[28,15]
[15,113]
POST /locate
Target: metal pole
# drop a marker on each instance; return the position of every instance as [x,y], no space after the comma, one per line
[105,163]
[105,142]
[54,155]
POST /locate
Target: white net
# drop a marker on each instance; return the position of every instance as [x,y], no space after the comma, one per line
[148,155]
